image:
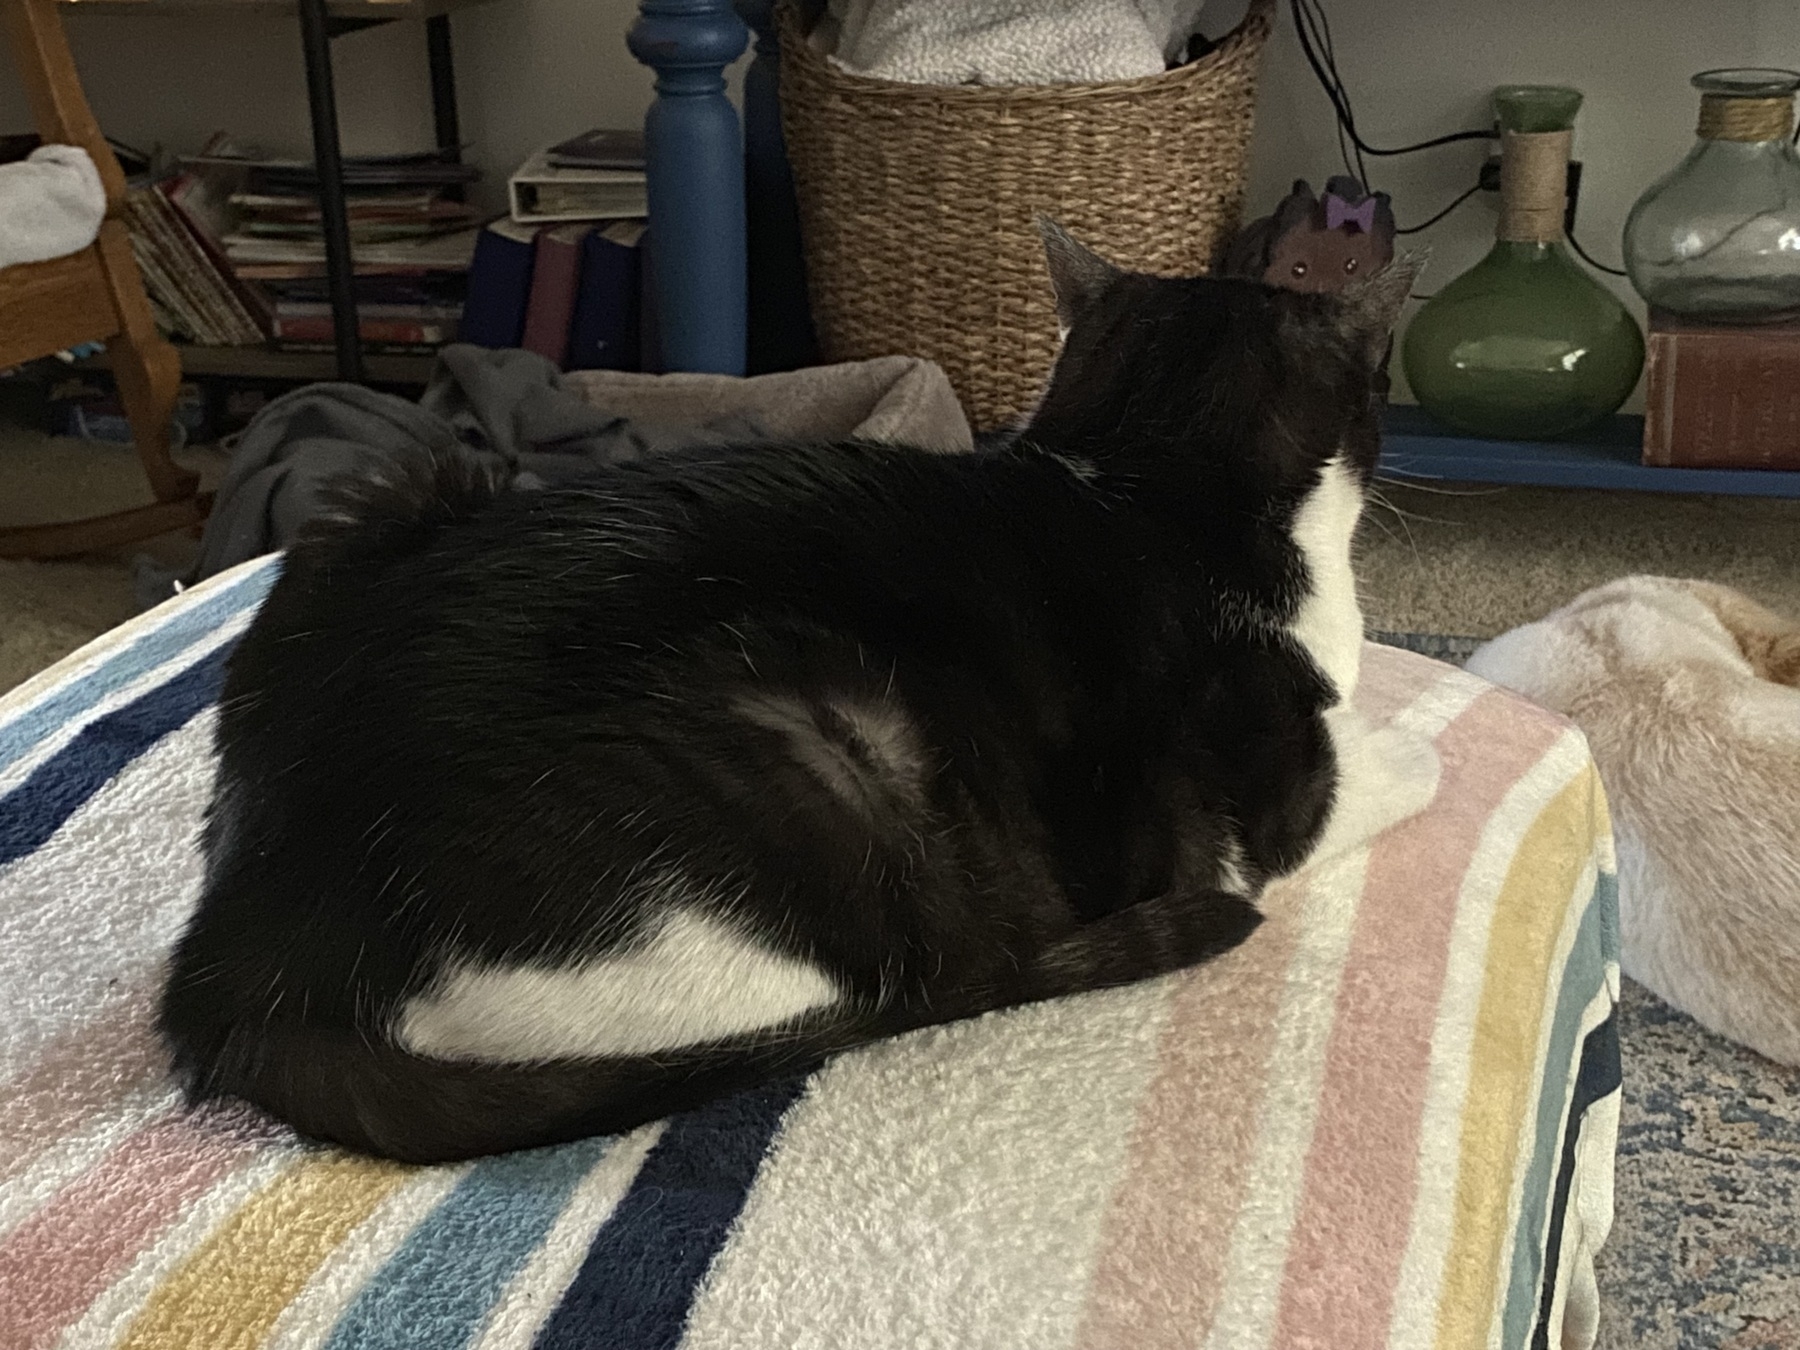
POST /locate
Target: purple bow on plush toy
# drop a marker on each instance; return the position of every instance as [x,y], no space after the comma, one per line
[1339,213]
[1316,243]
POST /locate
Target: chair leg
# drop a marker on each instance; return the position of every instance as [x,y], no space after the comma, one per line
[149,379]
[96,534]
[146,368]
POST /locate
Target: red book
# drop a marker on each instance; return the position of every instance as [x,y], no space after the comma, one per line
[393,332]
[1722,396]
[555,278]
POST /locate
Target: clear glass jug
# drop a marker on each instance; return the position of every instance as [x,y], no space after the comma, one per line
[1718,237]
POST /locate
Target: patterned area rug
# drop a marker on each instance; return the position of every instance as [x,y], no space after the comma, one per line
[1438,646]
[1705,1246]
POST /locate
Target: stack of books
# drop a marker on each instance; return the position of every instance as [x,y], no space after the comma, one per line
[394,312]
[564,275]
[175,237]
[411,242]
[233,253]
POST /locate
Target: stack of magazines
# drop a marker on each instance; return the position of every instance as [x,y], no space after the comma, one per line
[411,239]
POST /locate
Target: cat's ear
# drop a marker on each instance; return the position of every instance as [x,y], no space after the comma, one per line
[1369,307]
[1077,273]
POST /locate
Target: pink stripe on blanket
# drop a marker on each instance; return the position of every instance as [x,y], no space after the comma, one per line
[80,1075]
[1392,679]
[1165,1240]
[60,1259]
[1355,1212]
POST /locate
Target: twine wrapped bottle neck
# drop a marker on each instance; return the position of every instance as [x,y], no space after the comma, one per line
[1534,173]
[1725,118]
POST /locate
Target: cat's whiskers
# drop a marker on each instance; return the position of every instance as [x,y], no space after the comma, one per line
[1376,499]
[1419,485]
[1381,499]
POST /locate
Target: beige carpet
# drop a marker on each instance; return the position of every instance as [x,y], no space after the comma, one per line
[48,609]
[1472,561]
[1477,560]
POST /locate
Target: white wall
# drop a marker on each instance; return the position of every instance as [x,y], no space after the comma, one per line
[540,70]
[534,70]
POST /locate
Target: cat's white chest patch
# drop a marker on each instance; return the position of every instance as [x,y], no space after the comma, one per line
[696,980]
[1330,624]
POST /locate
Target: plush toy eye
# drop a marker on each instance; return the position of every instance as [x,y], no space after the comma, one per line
[1300,268]
[1349,264]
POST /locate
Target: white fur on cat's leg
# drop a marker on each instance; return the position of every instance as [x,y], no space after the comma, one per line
[1330,623]
[693,977]
[1385,776]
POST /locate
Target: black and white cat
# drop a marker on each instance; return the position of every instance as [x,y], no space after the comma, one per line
[542,814]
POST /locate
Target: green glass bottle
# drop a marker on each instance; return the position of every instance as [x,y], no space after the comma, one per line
[1525,345]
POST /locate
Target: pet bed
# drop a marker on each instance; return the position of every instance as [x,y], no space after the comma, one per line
[1386,1120]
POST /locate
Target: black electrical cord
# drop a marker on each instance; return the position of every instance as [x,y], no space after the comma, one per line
[1575,244]
[1314,27]
[1427,224]
[1314,30]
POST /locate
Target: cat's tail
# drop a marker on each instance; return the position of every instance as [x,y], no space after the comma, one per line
[1159,936]
[1139,942]
[393,503]
[363,1093]
[1153,937]
[370,1095]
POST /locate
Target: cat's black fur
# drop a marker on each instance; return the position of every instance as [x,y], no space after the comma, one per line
[965,731]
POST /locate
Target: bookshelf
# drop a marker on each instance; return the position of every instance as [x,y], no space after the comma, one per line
[267,363]
[1609,458]
[320,22]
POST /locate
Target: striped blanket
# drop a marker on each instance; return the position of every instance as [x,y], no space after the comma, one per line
[1387,1120]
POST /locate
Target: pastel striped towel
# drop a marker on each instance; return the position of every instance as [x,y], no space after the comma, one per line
[1387,1120]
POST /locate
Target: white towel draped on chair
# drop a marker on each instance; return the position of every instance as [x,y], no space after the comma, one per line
[51,205]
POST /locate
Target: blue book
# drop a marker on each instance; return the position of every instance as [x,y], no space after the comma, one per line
[499,285]
[603,334]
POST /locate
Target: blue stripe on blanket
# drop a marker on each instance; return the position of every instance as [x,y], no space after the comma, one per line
[1583,982]
[1601,1076]
[59,787]
[640,1276]
[439,1287]
[184,628]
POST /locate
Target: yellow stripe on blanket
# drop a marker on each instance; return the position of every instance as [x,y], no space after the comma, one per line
[228,1294]
[1528,917]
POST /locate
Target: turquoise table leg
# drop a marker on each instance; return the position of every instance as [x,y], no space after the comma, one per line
[694,157]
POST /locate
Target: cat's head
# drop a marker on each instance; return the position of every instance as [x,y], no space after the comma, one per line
[1239,382]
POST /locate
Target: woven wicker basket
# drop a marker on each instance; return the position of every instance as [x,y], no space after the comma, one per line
[917,201]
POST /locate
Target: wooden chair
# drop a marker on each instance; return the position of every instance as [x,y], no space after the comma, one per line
[91,296]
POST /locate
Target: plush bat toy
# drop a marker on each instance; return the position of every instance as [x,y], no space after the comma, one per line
[1316,243]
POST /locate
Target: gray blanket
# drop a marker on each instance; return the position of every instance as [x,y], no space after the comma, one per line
[546,427]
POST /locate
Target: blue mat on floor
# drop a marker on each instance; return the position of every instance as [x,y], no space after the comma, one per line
[1438,646]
